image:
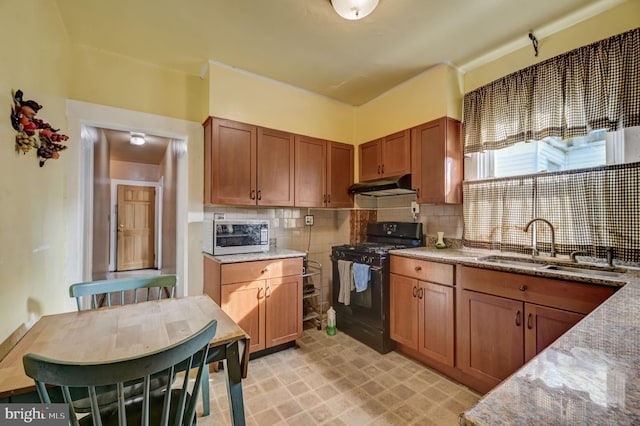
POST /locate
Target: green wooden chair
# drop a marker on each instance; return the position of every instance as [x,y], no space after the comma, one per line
[123,291]
[173,406]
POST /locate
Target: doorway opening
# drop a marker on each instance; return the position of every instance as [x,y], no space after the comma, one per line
[133,209]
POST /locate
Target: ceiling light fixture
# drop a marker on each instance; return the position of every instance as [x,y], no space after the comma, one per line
[137,138]
[354,9]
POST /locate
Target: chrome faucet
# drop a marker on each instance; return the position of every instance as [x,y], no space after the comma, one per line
[533,239]
[575,253]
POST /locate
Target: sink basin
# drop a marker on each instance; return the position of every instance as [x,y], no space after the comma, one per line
[584,270]
[545,264]
[513,261]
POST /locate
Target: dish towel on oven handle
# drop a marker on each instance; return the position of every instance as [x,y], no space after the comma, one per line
[346,281]
[361,276]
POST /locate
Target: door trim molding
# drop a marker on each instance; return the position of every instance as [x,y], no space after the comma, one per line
[79,195]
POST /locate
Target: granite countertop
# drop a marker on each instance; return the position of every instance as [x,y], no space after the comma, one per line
[274,253]
[588,376]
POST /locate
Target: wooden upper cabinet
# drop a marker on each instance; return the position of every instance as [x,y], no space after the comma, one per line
[339,174]
[275,170]
[324,172]
[437,162]
[247,165]
[232,165]
[369,159]
[385,157]
[311,169]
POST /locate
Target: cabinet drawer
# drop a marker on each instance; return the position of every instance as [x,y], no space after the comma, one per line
[260,270]
[567,295]
[423,270]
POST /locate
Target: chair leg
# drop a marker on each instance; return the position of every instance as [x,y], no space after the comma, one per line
[206,403]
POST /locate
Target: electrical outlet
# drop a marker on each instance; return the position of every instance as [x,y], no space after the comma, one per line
[415,207]
[308,220]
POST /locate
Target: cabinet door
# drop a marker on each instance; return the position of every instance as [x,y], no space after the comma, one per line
[369,160]
[310,181]
[283,316]
[275,169]
[403,310]
[244,303]
[396,154]
[490,333]
[436,322]
[233,160]
[544,325]
[339,174]
[208,167]
[436,170]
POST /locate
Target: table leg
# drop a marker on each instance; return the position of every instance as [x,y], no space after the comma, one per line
[234,384]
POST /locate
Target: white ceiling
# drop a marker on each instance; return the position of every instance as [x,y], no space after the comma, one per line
[306,44]
[152,152]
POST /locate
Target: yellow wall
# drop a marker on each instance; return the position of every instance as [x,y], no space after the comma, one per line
[35,54]
[617,20]
[430,95]
[107,79]
[245,97]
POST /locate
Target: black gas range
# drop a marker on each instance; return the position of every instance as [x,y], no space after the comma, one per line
[362,306]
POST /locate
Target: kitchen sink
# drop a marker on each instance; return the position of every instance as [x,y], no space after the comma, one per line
[514,261]
[555,265]
[587,269]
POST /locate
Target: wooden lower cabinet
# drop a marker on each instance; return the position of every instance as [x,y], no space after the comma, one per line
[403,323]
[244,303]
[498,335]
[543,325]
[436,319]
[263,297]
[422,312]
[490,339]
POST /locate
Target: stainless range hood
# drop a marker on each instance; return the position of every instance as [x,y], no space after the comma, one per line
[395,185]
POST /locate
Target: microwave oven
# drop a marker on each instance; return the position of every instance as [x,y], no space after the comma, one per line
[231,236]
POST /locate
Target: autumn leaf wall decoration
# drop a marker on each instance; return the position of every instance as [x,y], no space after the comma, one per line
[33,132]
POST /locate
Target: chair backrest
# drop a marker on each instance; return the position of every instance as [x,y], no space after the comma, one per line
[101,291]
[169,406]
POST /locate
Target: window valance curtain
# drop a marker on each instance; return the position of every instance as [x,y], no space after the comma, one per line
[592,87]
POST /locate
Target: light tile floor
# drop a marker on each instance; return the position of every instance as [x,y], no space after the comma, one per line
[336,380]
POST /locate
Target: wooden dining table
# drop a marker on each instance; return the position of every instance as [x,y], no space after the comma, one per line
[113,333]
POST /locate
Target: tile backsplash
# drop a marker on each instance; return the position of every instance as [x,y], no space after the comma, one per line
[336,226]
[434,218]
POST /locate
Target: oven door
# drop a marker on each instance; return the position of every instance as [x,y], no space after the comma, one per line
[365,305]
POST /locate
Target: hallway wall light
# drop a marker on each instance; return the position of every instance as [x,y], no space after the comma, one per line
[137,138]
[354,9]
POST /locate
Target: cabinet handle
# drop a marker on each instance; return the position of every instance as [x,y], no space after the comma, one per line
[418,268]
[418,193]
[415,291]
[518,318]
[378,168]
[324,198]
[259,292]
[383,169]
[259,194]
[420,293]
[267,292]
[328,198]
[252,194]
[522,288]
[529,321]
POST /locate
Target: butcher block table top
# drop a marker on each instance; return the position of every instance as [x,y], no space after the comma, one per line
[109,334]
